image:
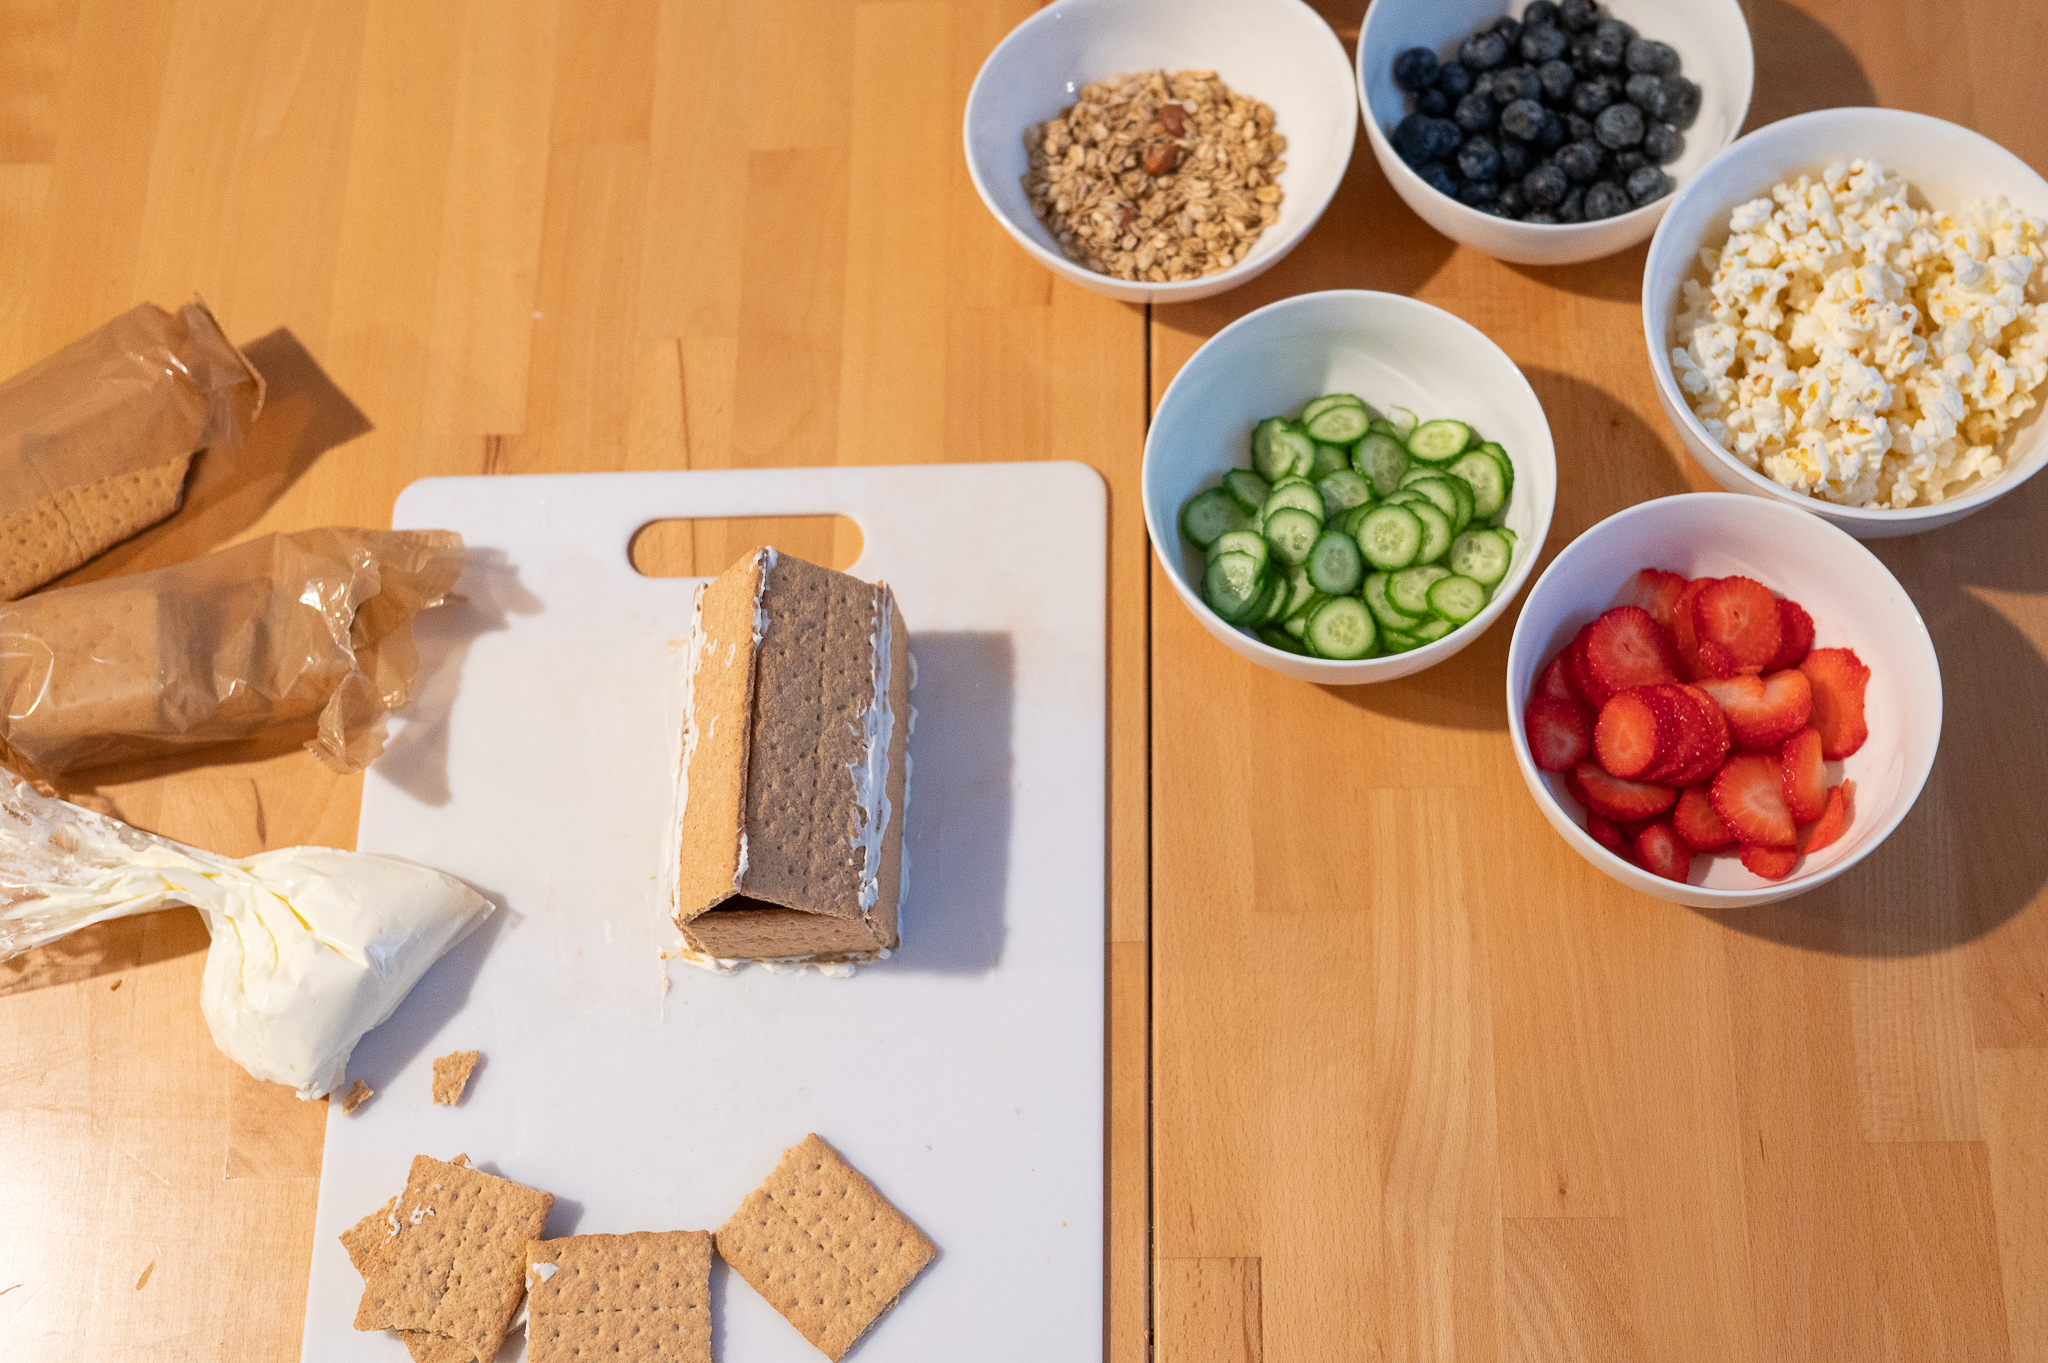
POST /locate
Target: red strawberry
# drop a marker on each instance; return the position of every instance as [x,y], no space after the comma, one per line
[1637,730]
[1625,648]
[1741,615]
[1619,800]
[1604,832]
[1715,660]
[1806,783]
[1662,852]
[1833,819]
[1838,677]
[1796,627]
[1656,591]
[1763,712]
[1702,742]
[1555,681]
[1581,672]
[1682,632]
[1696,822]
[1559,734]
[1772,863]
[1749,795]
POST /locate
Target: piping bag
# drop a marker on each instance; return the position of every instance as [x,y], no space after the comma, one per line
[312,946]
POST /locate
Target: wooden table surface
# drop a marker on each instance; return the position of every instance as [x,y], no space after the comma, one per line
[1478,1104]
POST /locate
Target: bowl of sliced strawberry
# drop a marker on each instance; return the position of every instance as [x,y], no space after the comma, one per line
[1720,701]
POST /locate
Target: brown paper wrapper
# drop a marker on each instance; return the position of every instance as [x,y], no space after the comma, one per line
[96,439]
[310,630]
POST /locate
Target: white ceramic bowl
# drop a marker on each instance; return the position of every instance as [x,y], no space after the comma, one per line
[1391,351]
[1712,39]
[1945,164]
[1279,52]
[1855,603]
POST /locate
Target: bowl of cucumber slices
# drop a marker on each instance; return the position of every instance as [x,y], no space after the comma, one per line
[1348,486]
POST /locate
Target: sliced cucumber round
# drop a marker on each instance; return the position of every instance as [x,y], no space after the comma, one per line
[1390,536]
[1436,531]
[1242,542]
[1279,447]
[1338,425]
[1491,480]
[1299,591]
[1292,532]
[1380,457]
[1297,494]
[1315,407]
[1344,489]
[1247,489]
[1439,441]
[1382,606]
[1409,589]
[1210,515]
[1341,628]
[1482,555]
[1232,585]
[1330,458]
[1448,495]
[1281,639]
[1456,599]
[1335,565]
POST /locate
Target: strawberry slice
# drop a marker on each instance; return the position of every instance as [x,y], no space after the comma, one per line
[1796,627]
[1806,782]
[1581,672]
[1741,615]
[1656,591]
[1559,734]
[1695,821]
[1638,729]
[1682,633]
[1555,681]
[1772,863]
[1763,712]
[1625,648]
[1619,800]
[1833,819]
[1838,677]
[1715,660]
[1606,833]
[1662,852]
[1703,738]
[1749,795]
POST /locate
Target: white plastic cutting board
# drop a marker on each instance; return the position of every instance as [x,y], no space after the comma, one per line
[964,1076]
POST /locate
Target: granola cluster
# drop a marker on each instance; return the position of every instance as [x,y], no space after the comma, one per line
[1155,177]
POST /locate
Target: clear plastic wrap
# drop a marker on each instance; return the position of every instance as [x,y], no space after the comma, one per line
[312,947]
[96,439]
[306,631]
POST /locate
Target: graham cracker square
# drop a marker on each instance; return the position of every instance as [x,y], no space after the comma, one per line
[639,1298]
[451,1076]
[823,1247]
[456,1267]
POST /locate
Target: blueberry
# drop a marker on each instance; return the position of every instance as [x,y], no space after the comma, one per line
[1540,12]
[1582,54]
[1580,161]
[1627,163]
[1589,97]
[1550,134]
[1523,120]
[1415,69]
[1512,203]
[1663,144]
[1479,159]
[1483,51]
[1545,186]
[1514,160]
[1477,193]
[1608,50]
[1509,27]
[1511,83]
[1438,177]
[1647,94]
[1445,137]
[1619,125]
[1557,79]
[1541,218]
[1606,200]
[1577,129]
[1577,16]
[1543,43]
[1412,139]
[1573,209]
[1454,80]
[1681,102]
[1474,113]
[1648,185]
[1657,59]
[1435,103]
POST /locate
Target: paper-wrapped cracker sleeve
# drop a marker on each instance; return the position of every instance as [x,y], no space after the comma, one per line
[306,632]
[96,439]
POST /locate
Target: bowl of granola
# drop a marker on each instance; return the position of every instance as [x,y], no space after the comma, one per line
[1848,312]
[1162,150]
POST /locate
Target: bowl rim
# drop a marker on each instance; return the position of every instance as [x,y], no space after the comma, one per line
[1383,150]
[1660,348]
[1429,655]
[1797,522]
[1207,285]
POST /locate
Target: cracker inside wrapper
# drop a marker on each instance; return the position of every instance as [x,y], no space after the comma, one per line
[309,631]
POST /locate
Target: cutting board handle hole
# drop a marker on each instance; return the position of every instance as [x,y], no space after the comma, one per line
[707,546]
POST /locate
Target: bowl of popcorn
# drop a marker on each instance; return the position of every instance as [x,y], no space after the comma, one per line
[1161,150]
[1845,313]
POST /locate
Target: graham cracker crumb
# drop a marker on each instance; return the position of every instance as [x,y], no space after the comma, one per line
[358,1094]
[451,1076]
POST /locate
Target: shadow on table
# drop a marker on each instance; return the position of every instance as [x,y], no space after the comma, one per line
[1800,65]
[1970,855]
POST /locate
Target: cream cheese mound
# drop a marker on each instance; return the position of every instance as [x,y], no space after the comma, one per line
[1854,348]
[312,947]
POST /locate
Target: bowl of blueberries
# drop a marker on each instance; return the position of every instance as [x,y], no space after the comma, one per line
[1550,133]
